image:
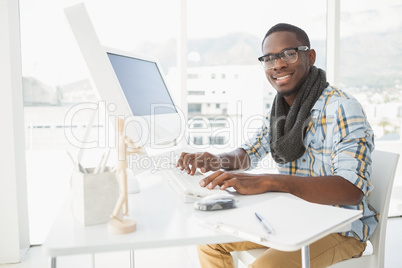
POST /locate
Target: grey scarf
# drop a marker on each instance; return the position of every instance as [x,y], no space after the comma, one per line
[288,124]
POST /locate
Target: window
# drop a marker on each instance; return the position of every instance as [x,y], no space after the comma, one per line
[197,140]
[218,124]
[196,92]
[193,76]
[197,125]
[55,78]
[216,140]
[229,49]
[194,108]
[370,65]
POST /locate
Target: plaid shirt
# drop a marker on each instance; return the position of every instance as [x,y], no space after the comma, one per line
[338,141]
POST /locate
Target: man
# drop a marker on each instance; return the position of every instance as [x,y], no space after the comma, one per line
[321,141]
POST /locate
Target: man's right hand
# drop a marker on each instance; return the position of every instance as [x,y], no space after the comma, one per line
[204,161]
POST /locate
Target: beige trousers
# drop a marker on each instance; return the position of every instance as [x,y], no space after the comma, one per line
[324,252]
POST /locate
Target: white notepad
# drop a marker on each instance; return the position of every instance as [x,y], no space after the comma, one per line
[296,222]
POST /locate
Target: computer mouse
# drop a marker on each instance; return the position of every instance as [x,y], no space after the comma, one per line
[219,196]
[216,202]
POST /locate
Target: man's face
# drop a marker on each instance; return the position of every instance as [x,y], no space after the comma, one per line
[287,78]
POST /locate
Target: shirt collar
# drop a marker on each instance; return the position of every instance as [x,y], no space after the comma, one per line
[319,104]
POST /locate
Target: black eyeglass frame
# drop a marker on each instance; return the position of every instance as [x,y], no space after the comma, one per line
[278,55]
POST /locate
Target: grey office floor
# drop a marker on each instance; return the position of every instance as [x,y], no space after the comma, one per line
[178,257]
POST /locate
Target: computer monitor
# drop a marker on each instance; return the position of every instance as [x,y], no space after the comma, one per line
[132,85]
[146,94]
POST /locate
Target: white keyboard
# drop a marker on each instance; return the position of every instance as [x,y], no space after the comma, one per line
[188,186]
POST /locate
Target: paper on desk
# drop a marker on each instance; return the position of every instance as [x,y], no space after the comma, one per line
[295,222]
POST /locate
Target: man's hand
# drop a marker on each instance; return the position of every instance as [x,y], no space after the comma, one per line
[243,183]
[204,161]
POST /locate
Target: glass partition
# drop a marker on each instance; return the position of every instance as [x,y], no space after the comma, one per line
[370,70]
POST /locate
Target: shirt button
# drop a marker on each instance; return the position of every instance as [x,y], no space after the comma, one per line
[303,160]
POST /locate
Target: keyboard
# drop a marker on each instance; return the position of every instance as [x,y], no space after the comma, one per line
[188,186]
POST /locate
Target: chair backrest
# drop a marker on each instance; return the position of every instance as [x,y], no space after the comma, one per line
[383,173]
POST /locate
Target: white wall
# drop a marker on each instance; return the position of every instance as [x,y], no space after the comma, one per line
[14,232]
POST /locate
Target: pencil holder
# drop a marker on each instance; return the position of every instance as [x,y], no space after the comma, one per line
[94,196]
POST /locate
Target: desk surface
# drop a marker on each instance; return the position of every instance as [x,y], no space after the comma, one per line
[163,220]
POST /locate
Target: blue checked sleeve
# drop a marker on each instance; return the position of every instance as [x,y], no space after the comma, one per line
[353,143]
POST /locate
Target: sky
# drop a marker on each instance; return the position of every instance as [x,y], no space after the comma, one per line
[50,53]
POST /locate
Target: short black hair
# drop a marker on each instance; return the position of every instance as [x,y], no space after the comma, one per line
[285,27]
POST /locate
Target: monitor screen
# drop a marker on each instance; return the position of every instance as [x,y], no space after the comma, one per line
[142,85]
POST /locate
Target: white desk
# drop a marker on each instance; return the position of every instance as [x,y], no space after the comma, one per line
[163,220]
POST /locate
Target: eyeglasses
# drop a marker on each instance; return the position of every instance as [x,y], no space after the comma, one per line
[288,56]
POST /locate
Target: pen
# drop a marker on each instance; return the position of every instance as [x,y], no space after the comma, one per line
[72,159]
[98,167]
[82,169]
[264,223]
[103,165]
[78,166]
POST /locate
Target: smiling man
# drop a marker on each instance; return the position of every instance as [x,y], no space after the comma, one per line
[321,141]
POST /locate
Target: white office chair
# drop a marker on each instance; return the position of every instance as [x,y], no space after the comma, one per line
[383,173]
